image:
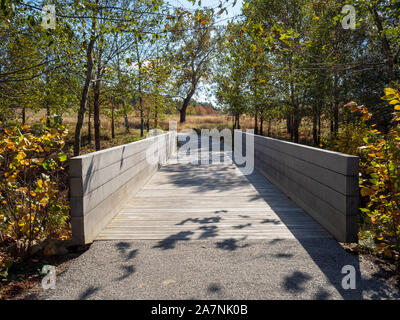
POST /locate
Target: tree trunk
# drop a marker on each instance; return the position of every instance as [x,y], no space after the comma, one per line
[294,134]
[141,119]
[96,98]
[269,127]
[185,104]
[85,90]
[319,128]
[255,123]
[261,124]
[335,106]
[96,113]
[126,122]
[289,124]
[296,125]
[331,120]
[182,112]
[126,119]
[385,44]
[23,115]
[112,122]
[89,125]
[140,88]
[47,99]
[315,134]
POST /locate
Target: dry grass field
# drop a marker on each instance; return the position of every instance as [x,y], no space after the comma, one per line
[195,122]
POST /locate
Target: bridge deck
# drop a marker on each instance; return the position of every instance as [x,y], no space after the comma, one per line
[210,201]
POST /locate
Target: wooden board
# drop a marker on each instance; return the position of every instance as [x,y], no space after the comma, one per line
[210,201]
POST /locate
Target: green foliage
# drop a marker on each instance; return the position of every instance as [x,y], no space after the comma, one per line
[351,136]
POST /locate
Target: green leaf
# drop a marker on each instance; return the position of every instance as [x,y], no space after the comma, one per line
[62,157]
[46,165]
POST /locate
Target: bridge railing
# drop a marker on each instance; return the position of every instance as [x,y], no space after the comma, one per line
[323,183]
[101,182]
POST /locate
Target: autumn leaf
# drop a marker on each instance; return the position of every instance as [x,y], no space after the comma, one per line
[351,104]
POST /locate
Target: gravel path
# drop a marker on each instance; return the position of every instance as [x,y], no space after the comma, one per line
[212,269]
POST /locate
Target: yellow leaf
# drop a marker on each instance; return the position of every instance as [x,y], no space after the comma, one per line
[354,109]
[366,191]
[389,91]
[394,102]
[20,156]
[397,107]
[351,104]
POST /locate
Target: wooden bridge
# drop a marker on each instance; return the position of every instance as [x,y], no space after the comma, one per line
[209,201]
[190,226]
[117,194]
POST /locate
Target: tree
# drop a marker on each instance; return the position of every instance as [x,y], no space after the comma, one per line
[194,42]
[231,74]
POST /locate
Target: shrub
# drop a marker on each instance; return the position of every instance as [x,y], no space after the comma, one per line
[350,138]
[380,178]
[30,164]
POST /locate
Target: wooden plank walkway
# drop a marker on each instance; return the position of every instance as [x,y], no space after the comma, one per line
[209,201]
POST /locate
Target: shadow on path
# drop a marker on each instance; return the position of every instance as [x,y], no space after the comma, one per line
[325,252]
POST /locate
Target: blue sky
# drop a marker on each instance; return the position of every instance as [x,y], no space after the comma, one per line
[232,11]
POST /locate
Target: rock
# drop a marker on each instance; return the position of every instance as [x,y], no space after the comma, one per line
[55,247]
[36,248]
[61,251]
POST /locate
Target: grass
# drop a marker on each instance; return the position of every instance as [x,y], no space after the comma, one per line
[218,121]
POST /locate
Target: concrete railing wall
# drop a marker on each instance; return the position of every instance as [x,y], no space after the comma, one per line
[323,183]
[101,182]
